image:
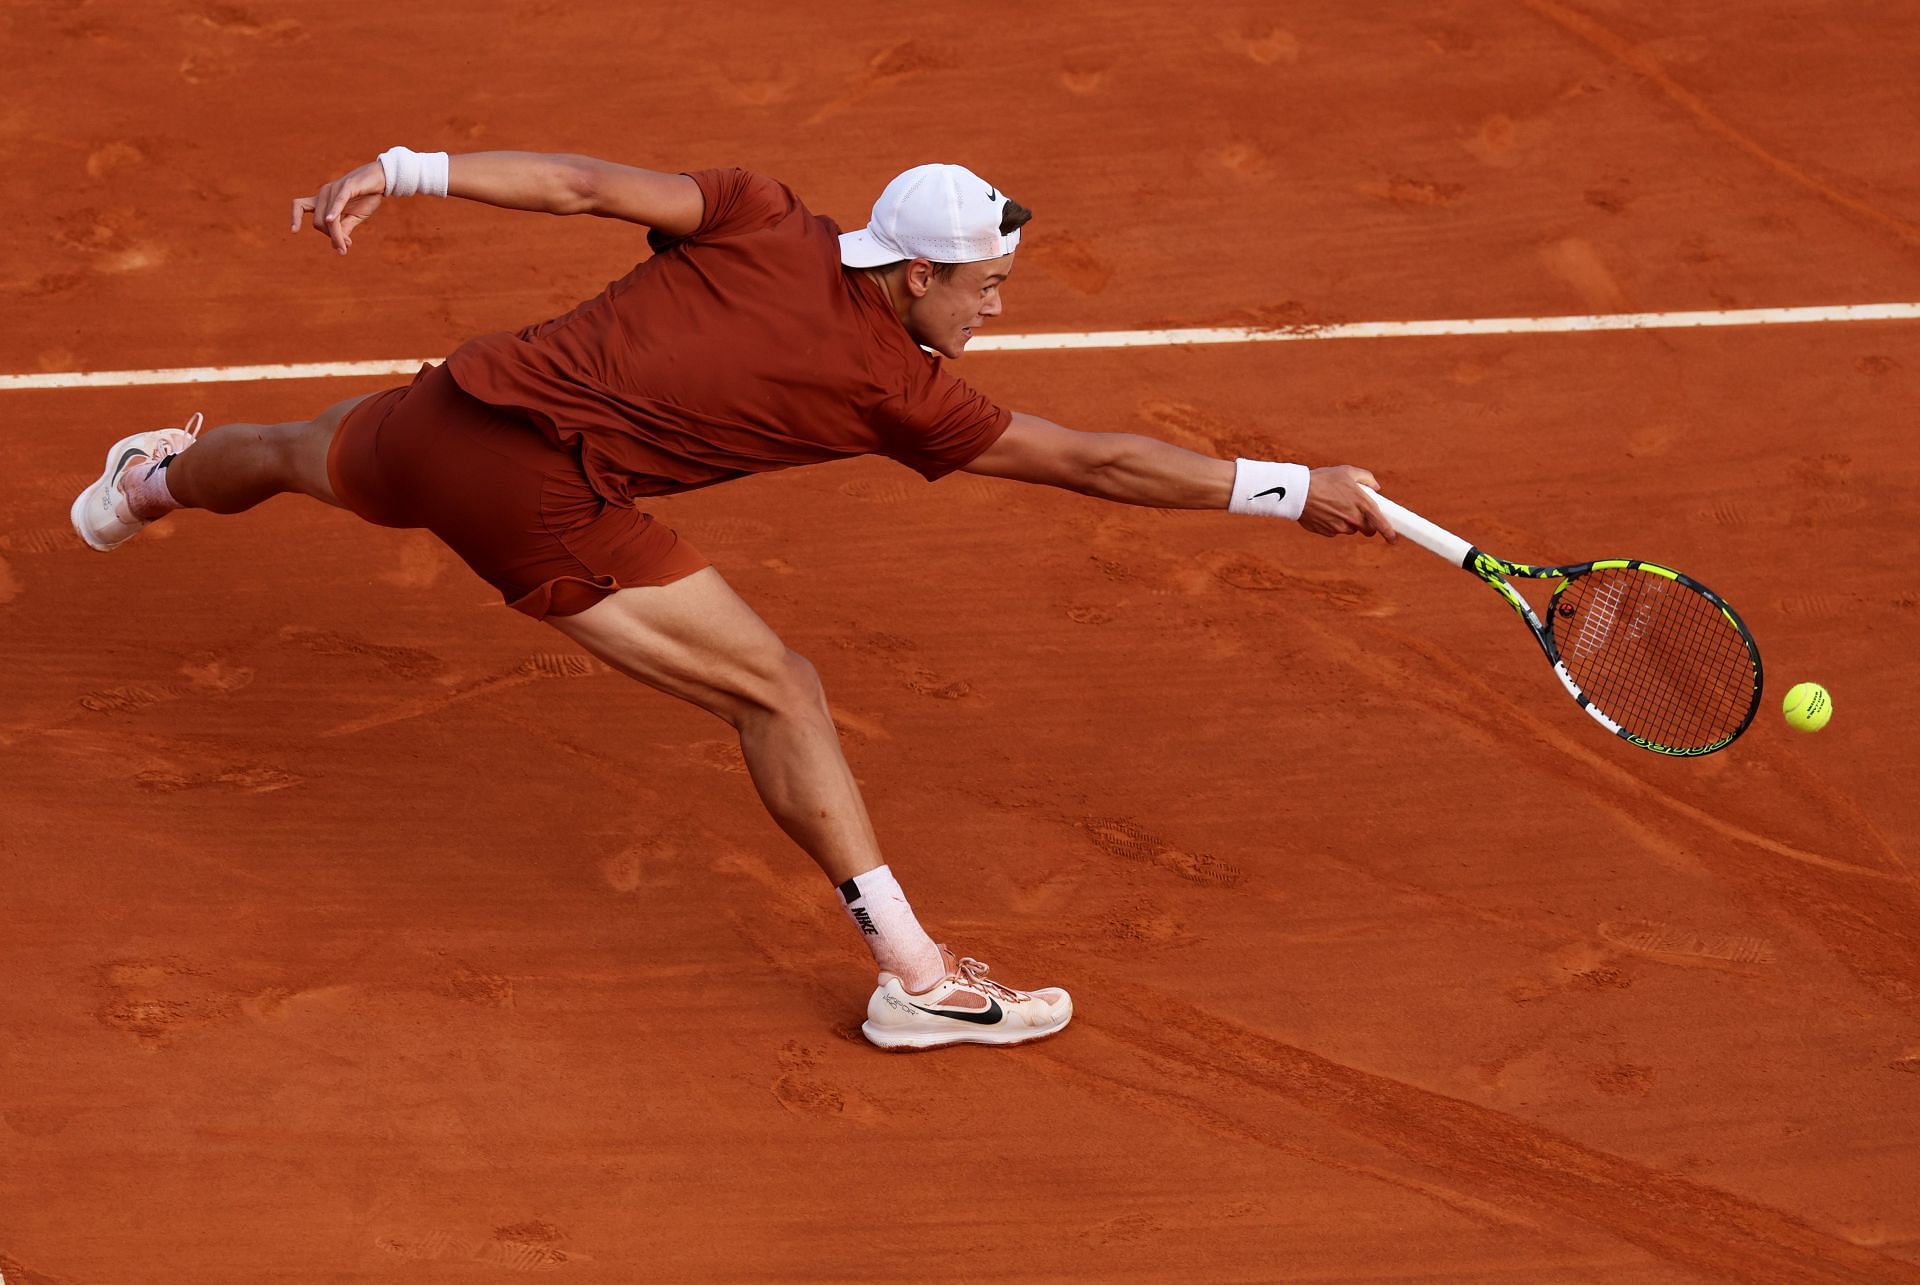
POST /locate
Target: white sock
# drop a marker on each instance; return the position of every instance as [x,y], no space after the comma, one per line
[146,489]
[899,944]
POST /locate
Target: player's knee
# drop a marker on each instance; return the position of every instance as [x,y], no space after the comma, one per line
[787,685]
[272,450]
[299,453]
[779,682]
[800,683]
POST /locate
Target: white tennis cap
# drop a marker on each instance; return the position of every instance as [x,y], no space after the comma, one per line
[945,213]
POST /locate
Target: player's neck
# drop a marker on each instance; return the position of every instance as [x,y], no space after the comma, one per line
[892,283]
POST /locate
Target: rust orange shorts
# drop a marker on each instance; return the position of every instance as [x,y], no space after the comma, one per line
[514,506]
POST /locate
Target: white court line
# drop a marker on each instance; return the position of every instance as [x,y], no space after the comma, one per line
[1067,340]
[210,374]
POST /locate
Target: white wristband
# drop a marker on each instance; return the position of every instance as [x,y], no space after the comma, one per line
[411,173]
[1268,489]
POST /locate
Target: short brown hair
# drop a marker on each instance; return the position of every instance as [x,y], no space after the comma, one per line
[1013,217]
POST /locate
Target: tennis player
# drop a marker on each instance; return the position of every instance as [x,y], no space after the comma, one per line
[757,336]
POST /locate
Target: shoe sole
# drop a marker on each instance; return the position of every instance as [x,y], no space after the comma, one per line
[75,514]
[893,1042]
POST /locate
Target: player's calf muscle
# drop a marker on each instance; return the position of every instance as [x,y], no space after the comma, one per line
[236,466]
[231,468]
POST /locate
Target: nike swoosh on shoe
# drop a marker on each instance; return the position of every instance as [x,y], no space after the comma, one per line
[987,1016]
[126,457]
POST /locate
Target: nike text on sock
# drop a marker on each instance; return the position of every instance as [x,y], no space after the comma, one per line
[886,922]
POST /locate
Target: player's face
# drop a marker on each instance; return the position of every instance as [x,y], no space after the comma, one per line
[944,314]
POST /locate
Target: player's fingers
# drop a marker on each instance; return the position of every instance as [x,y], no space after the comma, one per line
[326,215]
[337,202]
[1364,478]
[1374,521]
[302,206]
[316,206]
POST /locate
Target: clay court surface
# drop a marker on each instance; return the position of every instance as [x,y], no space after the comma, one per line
[357,929]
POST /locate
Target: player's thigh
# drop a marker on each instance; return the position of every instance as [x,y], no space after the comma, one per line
[696,639]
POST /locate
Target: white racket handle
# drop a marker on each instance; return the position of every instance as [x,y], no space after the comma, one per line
[1435,539]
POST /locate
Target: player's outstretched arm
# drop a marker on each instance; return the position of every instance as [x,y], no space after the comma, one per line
[1131,469]
[561,184]
[542,182]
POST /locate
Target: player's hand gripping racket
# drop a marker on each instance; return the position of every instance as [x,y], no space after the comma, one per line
[1656,657]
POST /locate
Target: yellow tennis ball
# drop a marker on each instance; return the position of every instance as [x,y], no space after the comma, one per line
[1807,707]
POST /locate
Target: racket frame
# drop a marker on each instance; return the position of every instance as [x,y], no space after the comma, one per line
[1497,572]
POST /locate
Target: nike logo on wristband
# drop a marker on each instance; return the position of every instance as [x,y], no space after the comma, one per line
[1278,491]
[985,1017]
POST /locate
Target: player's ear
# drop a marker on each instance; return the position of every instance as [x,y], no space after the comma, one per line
[919,277]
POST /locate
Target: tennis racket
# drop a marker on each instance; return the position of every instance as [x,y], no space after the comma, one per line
[1655,656]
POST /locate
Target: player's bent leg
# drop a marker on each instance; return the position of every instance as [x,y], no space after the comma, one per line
[699,640]
[236,466]
[229,469]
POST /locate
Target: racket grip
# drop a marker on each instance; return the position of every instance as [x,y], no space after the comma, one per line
[1430,536]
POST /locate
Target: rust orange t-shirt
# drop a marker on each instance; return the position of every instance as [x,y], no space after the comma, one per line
[740,348]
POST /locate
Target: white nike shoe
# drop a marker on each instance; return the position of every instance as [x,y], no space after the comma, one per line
[101,515]
[962,1008]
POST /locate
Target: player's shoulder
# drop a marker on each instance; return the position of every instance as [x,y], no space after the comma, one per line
[741,200]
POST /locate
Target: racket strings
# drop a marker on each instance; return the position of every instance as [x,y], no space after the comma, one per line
[1655,656]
